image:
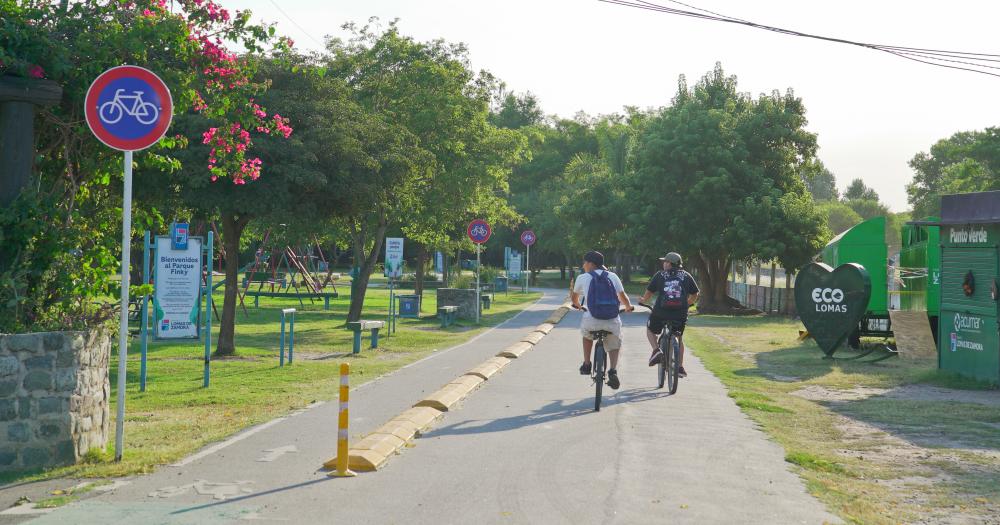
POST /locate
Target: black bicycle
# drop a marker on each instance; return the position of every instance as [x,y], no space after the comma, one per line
[668,368]
[600,360]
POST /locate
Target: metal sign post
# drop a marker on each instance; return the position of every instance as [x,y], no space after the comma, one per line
[528,238]
[479,232]
[127,108]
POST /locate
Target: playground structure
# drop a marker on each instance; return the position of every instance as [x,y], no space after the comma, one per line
[284,269]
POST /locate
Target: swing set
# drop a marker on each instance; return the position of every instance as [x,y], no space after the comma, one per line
[283,270]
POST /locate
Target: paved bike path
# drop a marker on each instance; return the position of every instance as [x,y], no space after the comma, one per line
[525,448]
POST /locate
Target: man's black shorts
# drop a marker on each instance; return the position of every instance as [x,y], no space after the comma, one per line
[658,319]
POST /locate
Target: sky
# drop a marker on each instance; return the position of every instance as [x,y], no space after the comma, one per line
[872,112]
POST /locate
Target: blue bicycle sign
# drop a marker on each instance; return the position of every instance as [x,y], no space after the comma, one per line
[479,231]
[128,108]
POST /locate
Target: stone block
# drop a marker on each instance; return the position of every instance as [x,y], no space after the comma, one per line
[65,357]
[40,362]
[464,299]
[66,380]
[38,380]
[8,410]
[50,405]
[8,387]
[78,342]
[36,456]
[65,452]
[48,431]
[53,341]
[18,432]
[24,343]
[7,457]
[24,408]
[9,365]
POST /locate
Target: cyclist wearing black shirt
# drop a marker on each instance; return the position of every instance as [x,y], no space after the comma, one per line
[677,291]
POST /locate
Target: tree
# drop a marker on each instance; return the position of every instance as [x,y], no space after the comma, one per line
[719,172]
[966,161]
[820,181]
[839,216]
[858,191]
[516,111]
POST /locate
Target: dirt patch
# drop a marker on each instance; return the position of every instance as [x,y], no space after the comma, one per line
[934,393]
[819,393]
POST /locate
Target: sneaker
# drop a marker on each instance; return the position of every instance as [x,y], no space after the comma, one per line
[655,358]
[681,372]
[613,381]
[585,369]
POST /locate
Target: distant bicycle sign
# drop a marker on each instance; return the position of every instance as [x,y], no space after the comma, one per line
[528,238]
[479,231]
[128,108]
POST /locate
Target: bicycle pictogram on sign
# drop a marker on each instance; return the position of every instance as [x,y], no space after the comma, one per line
[528,238]
[113,110]
[479,231]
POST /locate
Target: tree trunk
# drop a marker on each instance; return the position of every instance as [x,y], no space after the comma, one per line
[714,273]
[359,236]
[562,272]
[418,287]
[445,270]
[232,229]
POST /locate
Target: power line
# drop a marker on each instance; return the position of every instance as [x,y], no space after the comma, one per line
[296,24]
[977,62]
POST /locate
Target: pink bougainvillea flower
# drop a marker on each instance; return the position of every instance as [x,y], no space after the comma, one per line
[36,71]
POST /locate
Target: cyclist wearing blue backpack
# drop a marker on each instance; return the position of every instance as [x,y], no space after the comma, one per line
[677,291]
[604,294]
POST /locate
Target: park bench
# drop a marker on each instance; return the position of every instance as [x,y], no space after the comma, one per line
[359,326]
[326,296]
[447,315]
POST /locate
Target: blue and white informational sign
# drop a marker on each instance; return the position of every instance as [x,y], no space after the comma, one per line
[177,289]
[394,257]
[514,269]
[439,262]
[179,233]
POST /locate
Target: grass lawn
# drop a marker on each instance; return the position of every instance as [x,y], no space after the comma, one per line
[890,442]
[176,416]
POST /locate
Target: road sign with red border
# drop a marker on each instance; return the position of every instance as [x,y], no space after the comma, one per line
[528,238]
[128,108]
[479,231]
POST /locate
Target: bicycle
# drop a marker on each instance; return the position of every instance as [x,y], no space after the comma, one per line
[597,372]
[668,369]
[113,110]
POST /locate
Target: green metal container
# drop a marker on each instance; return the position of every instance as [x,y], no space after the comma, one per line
[969,334]
[920,267]
[864,244]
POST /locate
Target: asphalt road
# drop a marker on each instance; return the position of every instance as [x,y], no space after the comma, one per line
[525,448]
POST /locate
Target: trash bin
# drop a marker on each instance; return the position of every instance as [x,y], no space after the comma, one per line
[409,306]
[501,284]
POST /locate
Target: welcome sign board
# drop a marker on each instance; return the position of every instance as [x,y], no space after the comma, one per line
[177,289]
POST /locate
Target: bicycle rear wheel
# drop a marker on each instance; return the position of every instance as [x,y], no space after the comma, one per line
[673,363]
[661,366]
[599,358]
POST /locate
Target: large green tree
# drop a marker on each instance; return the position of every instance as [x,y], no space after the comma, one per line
[965,162]
[719,172]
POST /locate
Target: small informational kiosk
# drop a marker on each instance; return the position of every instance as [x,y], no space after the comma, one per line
[968,333]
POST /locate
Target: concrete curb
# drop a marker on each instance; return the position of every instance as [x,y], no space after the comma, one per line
[374,450]
[545,328]
[515,350]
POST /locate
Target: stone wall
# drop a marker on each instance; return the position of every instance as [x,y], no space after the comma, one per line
[54,394]
[464,299]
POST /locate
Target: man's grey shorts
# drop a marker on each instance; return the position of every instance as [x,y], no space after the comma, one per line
[612,342]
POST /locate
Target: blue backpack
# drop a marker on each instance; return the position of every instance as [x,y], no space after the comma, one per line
[602,298]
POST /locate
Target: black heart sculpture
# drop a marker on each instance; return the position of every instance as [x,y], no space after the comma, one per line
[832,302]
